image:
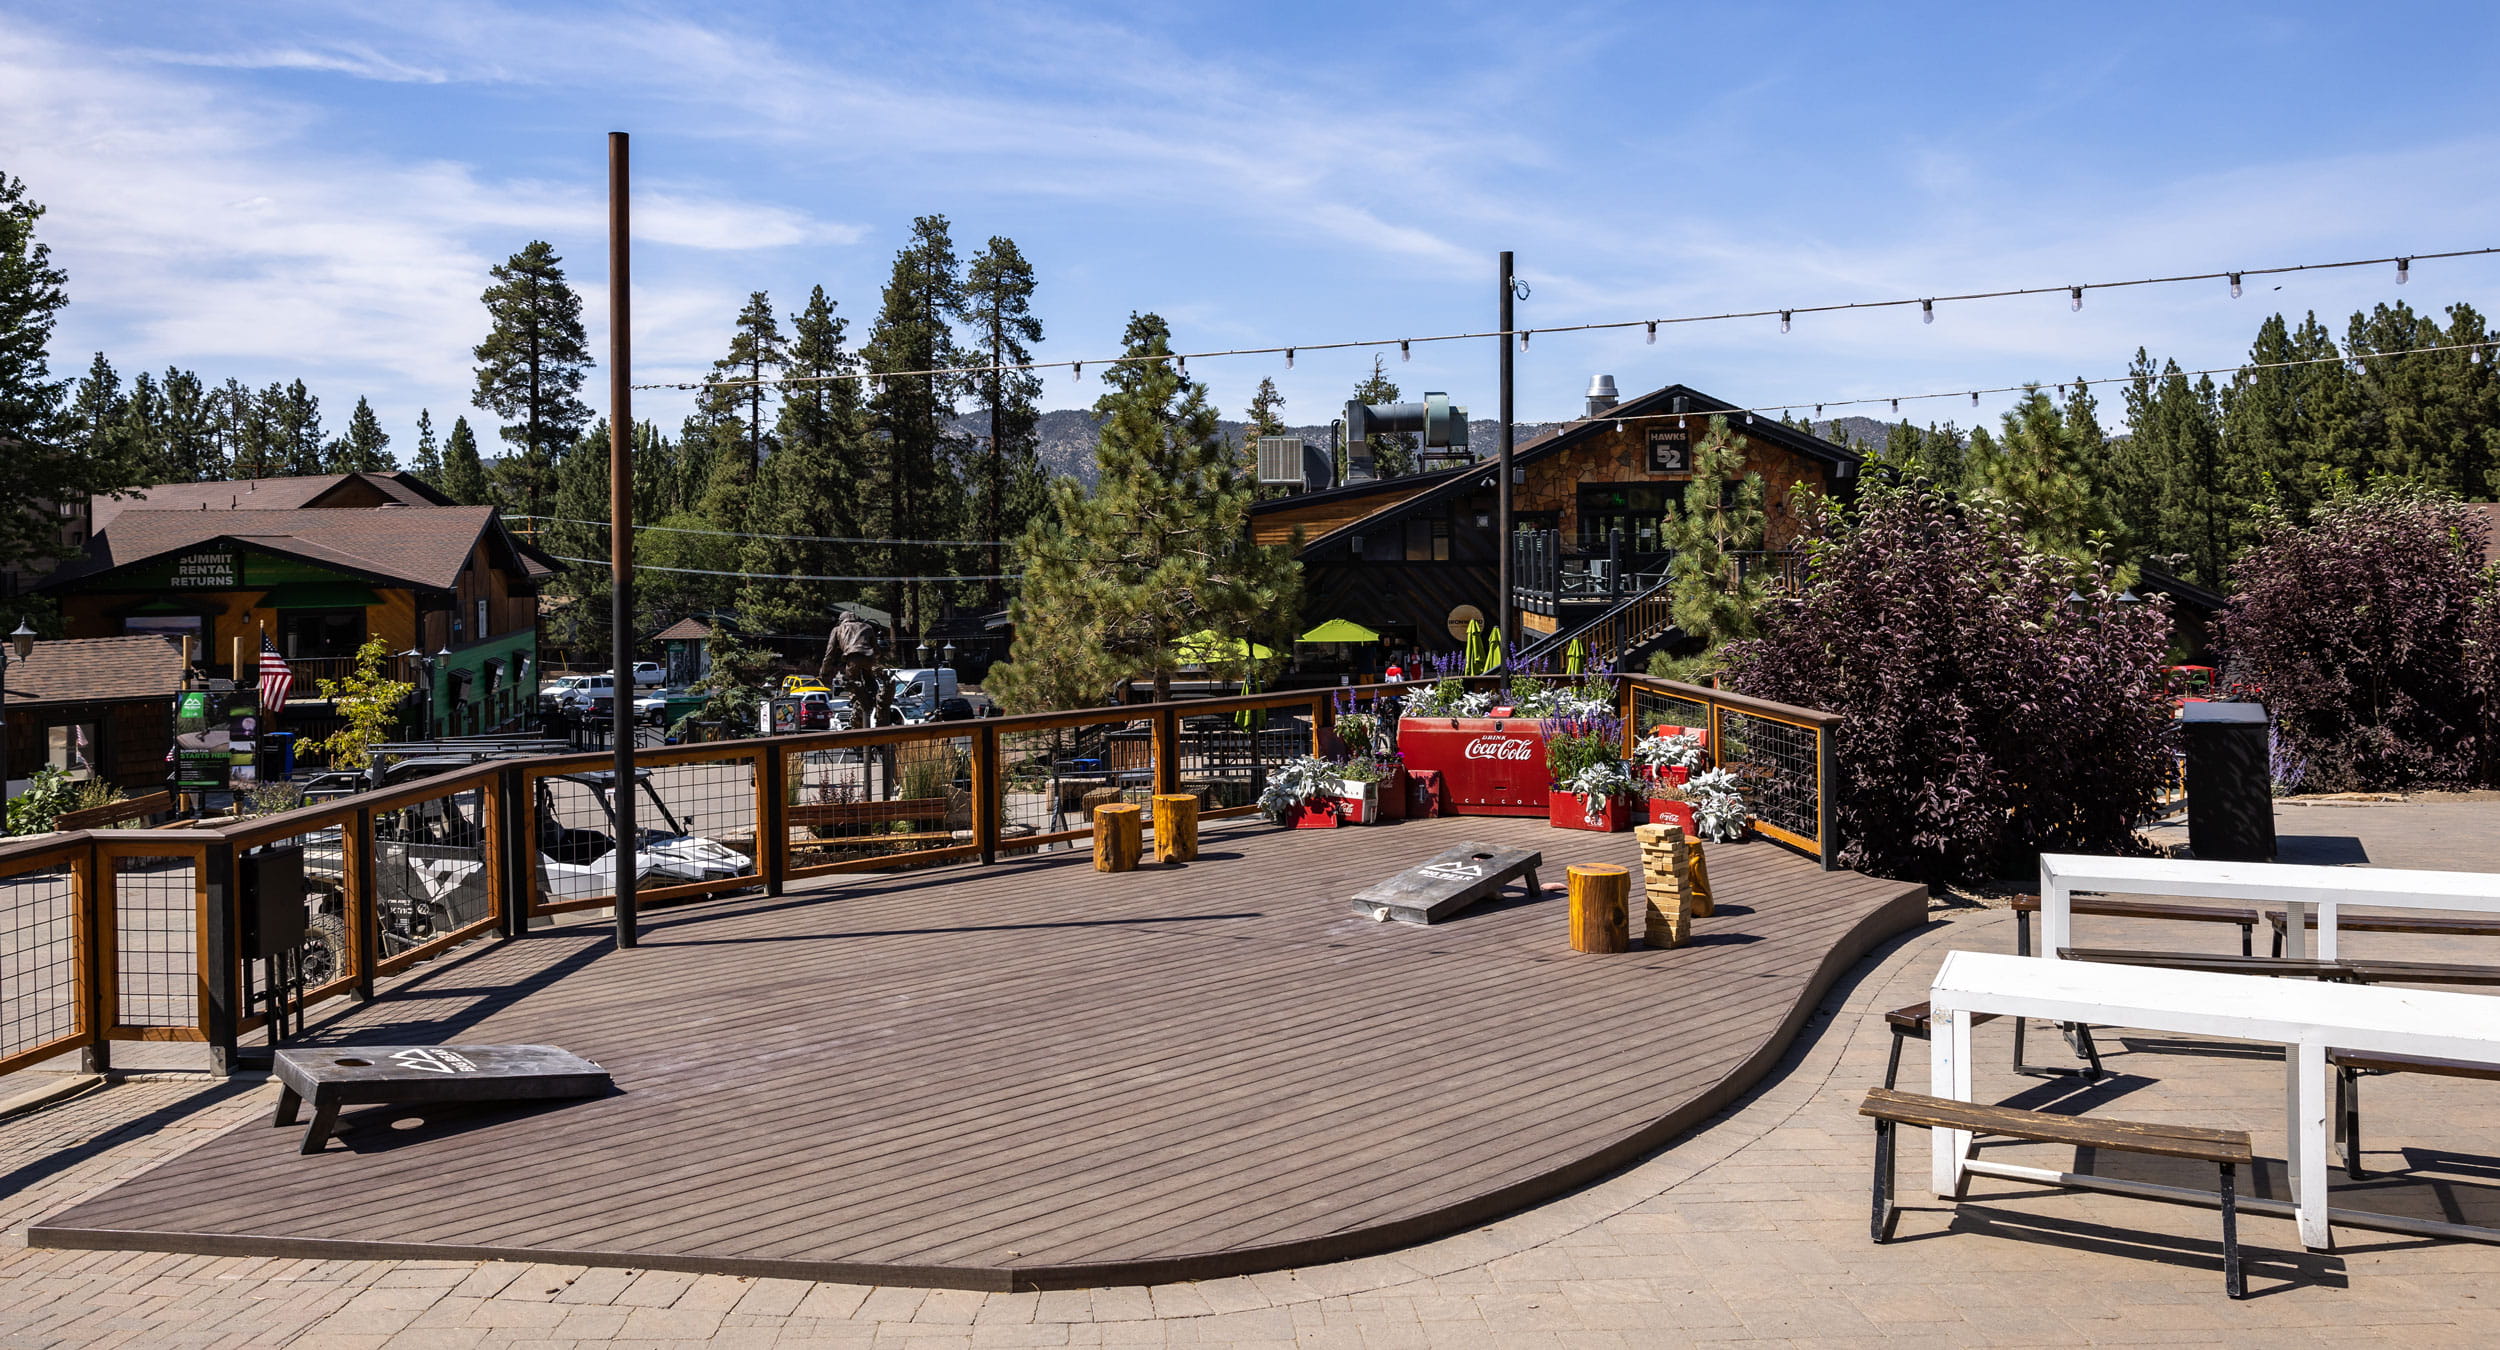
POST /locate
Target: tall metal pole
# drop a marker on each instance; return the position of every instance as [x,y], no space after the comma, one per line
[1501,446]
[621,529]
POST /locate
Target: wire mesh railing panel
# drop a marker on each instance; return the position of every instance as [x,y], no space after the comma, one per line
[1225,759]
[1653,708]
[155,940]
[331,959]
[433,879]
[42,973]
[1049,783]
[1778,767]
[695,830]
[850,805]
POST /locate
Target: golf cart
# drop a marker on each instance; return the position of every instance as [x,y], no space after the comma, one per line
[574,862]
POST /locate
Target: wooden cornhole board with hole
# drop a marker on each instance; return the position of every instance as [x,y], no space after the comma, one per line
[1450,882]
[425,1075]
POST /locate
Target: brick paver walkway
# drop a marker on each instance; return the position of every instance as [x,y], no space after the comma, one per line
[1751,1230]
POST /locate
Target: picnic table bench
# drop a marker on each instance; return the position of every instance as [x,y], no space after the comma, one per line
[2437,925]
[424,1075]
[2227,1149]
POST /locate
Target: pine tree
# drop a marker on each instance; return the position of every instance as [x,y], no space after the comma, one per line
[248,433]
[1718,596]
[1934,452]
[916,491]
[191,450]
[1160,549]
[427,464]
[1265,416]
[735,413]
[293,415]
[366,448]
[529,372]
[998,298]
[2044,467]
[1393,456]
[94,425]
[583,621]
[464,475]
[810,486]
[40,461]
[139,438]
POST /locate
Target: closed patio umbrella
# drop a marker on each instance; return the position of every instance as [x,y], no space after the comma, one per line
[1475,647]
[1574,657]
[1493,657]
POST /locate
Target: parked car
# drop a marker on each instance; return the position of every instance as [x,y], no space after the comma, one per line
[953,709]
[650,673]
[593,696]
[551,692]
[802,684]
[817,708]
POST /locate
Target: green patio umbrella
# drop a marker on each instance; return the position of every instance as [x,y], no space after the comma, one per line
[1475,647]
[1493,651]
[1206,647]
[1574,657]
[1339,630]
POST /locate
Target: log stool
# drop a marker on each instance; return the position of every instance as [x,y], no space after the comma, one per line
[1117,831]
[1666,881]
[1600,915]
[1176,827]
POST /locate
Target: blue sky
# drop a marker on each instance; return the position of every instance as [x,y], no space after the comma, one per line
[282,190]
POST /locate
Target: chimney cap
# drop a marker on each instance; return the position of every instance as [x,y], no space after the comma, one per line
[1602,386]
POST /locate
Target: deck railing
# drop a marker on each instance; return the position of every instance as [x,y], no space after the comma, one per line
[123,935]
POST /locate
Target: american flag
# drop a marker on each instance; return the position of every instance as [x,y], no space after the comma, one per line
[275,678]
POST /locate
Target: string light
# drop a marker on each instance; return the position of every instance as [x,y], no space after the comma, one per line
[1523,338]
[2235,285]
[1077,371]
[1406,350]
[1896,405]
[1926,311]
[1974,398]
[1653,333]
[1289,358]
[1785,316]
[1618,426]
[2074,295]
[2404,270]
[753,576]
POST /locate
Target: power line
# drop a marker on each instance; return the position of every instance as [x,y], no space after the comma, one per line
[792,538]
[770,576]
[1785,313]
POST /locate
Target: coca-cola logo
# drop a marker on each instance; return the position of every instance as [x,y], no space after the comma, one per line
[1500,747]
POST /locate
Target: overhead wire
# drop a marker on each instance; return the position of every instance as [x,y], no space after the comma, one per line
[1785,313]
[776,576]
[789,538]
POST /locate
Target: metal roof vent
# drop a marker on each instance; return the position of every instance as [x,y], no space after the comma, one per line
[1601,394]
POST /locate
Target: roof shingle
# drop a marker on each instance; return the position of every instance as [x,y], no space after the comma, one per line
[96,670]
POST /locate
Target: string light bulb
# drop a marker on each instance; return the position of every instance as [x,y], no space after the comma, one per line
[1896,405]
[1785,316]
[1406,350]
[1076,371]
[1818,410]
[1749,418]
[2074,297]
[1618,426]
[2404,270]
[1653,333]
[1289,358]
[1523,338]
[2235,285]
[1926,311]
[1974,398]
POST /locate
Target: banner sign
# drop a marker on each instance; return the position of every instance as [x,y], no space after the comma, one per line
[216,736]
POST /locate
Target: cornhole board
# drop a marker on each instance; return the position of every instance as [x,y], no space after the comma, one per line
[425,1075]
[1454,879]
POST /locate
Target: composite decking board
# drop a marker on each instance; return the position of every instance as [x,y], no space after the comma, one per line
[1158,1061]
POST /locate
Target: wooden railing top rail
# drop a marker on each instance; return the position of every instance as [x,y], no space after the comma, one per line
[326,814]
[1784,712]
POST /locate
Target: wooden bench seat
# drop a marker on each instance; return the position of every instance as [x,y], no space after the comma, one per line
[2284,966]
[2418,972]
[2349,1065]
[2437,925]
[2229,1150]
[1915,1022]
[2108,907]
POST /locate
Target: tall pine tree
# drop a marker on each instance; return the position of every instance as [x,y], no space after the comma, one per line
[94,424]
[427,463]
[1160,549]
[1393,455]
[2045,465]
[39,460]
[191,449]
[464,474]
[736,413]
[916,491]
[366,448]
[810,485]
[529,372]
[1717,598]
[998,301]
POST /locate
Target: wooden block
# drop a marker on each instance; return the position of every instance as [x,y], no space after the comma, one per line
[1600,908]
[1667,917]
[1698,876]
[1117,832]
[1176,826]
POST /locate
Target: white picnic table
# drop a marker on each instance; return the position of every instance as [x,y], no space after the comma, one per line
[2305,1017]
[2299,888]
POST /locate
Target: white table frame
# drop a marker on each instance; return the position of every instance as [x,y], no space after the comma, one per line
[2299,888]
[2305,1018]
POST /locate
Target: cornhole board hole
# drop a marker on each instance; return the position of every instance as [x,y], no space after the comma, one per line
[1454,879]
[425,1075]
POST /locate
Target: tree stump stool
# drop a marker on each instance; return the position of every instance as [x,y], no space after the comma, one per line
[1666,881]
[1117,834]
[1176,827]
[1601,920]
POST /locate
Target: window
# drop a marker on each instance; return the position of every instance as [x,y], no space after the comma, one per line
[72,749]
[321,632]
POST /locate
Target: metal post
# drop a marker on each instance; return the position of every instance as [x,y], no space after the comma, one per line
[1501,484]
[621,530]
[4,737]
[218,1013]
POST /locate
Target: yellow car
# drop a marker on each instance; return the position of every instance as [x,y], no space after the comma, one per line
[792,685]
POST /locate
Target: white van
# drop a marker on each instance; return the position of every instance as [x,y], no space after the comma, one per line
[917,693]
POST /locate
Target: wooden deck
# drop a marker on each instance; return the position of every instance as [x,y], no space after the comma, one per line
[1034,1075]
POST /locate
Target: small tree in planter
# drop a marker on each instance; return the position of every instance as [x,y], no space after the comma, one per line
[1592,788]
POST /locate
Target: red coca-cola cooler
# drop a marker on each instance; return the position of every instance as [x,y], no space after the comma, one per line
[1488,766]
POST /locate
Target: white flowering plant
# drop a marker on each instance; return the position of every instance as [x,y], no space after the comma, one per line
[1718,808]
[1601,783]
[1294,782]
[1669,752]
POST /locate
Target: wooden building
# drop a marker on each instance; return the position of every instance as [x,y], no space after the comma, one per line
[1415,557]
[344,558]
[94,708]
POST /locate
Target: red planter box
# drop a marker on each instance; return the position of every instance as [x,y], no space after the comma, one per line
[1661,811]
[1393,796]
[1362,810]
[1324,818]
[1425,797]
[1488,766]
[1564,811]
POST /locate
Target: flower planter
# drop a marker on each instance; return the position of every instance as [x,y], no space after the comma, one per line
[1564,811]
[1488,766]
[1661,811]
[1357,803]
[1319,813]
[1393,796]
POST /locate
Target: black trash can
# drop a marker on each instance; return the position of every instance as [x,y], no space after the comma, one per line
[2230,787]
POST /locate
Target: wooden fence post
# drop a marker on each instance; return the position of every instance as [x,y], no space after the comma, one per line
[1167,749]
[772,815]
[97,944]
[515,860]
[989,793]
[1601,920]
[222,955]
[364,919]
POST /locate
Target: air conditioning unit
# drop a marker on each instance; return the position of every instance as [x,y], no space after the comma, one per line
[1290,461]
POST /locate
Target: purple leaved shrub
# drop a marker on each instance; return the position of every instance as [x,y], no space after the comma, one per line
[1988,716]
[2368,633]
